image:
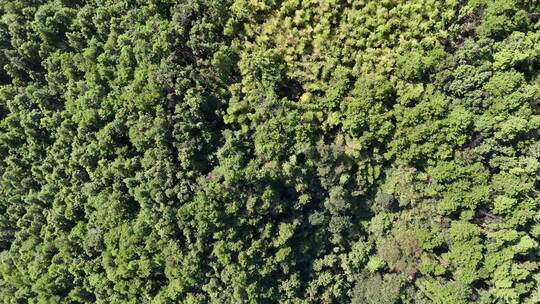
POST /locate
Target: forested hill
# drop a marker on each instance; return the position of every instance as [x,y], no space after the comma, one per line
[269,151]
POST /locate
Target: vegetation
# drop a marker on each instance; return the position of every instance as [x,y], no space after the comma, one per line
[263,151]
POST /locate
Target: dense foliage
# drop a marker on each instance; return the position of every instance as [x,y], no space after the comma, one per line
[265,151]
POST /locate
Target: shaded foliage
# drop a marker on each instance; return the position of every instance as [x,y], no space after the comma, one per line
[236,151]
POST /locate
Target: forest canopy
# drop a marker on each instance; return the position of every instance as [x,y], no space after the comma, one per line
[270,151]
